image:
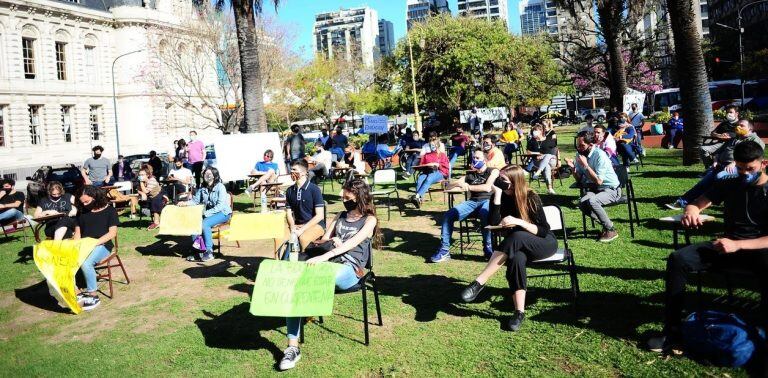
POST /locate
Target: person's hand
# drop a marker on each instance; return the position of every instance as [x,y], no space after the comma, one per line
[570,163]
[322,258]
[730,168]
[464,186]
[726,245]
[582,160]
[183,203]
[435,165]
[298,230]
[510,221]
[691,219]
[336,241]
[87,181]
[539,157]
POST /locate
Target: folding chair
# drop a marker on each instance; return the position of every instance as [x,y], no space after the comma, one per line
[123,187]
[628,197]
[111,261]
[554,164]
[20,225]
[385,184]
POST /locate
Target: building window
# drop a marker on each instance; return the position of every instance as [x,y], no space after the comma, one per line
[34,123]
[28,53]
[66,122]
[90,63]
[94,121]
[61,60]
[2,124]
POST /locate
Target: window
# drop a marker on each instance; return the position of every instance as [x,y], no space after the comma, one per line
[28,54]
[66,122]
[34,123]
[94,121]
[61,61]
[2,124]
[90,63]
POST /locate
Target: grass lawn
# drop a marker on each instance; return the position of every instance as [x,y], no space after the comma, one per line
[181,319]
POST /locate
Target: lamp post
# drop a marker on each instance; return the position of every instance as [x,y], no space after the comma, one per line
[413,82]
[114,98]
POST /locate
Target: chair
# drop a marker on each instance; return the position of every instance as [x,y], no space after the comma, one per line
[111,261]
[554,164]
[628,197]
[124,187]
[20,225]
[367,281]
[385,184]
[216,230]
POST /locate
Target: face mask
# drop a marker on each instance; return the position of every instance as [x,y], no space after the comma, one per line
[749,178]
[295,176]
[7,190]
[142,178]
[96,156]
[432,147]
[740,131]
[731,117]
[536,134]
[503,185]
[487,147]
[350,205]
[585,152]
[478,164]
[208,179]
[192,137]
[55,198]
[89,206]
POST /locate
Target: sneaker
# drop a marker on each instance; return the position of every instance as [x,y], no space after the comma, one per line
[551,191]
[677,205]
[415,201]
[248,191]
[635,161]
[406,174]
[291,356]
[152,226]
[517,321]
[132,216]
[195,257]
[472,291]
[535,176]
[642,153]
[207,256]
[608,236]
[663,344]
[88,302]
[440,256]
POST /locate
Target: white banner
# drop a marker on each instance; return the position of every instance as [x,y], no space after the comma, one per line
[237,154]
[486,114]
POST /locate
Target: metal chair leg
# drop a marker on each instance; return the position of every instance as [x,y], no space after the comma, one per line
[376,299]
[365,314]
[301,330]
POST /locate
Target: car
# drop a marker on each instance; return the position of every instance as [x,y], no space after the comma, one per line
[598,114]
[68,175]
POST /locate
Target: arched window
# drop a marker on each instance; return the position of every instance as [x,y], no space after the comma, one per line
[91,58]
[29,51]
[61,52]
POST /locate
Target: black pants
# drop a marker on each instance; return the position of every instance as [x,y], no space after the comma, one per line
[521,246]
[702,256]
[197,169]
[66,222]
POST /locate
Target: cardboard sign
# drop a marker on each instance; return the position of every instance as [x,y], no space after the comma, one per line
[257,226]
[373,124]
[294,289]
[59,260]
[237,154]
[181,220]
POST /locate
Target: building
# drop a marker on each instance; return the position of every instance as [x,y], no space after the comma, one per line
[56,60]
[533,17]
[487,9]
[419,10]
[386,37]
[349,33]
[754,20]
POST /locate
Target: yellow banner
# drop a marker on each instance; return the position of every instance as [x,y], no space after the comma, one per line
[257,226]
[59,261]
[181,220]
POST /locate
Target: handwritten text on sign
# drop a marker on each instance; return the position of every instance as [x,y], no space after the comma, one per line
[373,124]
[59,260]
[292,289]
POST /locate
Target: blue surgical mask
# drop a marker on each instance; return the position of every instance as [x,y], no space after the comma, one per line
[478,164]
[432,147]
[750,178]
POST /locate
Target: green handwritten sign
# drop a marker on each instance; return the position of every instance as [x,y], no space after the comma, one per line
[293,289]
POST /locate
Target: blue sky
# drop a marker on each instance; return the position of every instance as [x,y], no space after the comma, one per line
[299,16]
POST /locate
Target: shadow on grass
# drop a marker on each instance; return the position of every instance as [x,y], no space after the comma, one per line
[220,268]
[167,246]
[25,255]
[38,296]
[414,243]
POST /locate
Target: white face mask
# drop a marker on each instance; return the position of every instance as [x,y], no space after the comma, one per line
[192,137]
[731,117]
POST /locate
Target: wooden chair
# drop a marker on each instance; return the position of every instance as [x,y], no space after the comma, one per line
[111,261]
[20,225]
[216,230]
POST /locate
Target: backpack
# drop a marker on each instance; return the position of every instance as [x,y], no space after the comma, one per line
[564,171]
[721,338]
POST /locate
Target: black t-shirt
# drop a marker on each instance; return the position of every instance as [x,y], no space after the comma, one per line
[745,208]
[726,127]
[509,207]
[63,205]
[11,198]
[304,209]
[97,224]
[477,178]
[340,141]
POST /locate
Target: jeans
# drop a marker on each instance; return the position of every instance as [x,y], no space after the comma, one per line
[88,268]
[208,224]
[626,152]
[509,149]
[707,151]
[544,166]
[673,135]
[11,215]
[410,161]
[461,212]
[337,153]
[592,205]
[426,180]
[345,279]
[453,155]
[98,184]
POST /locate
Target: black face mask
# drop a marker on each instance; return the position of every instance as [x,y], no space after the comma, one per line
[89,206]
[503,185]
[585,152]
[96,156]
[350,205]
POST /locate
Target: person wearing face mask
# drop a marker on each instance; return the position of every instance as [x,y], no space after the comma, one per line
[384,153]
[180,178]
[96,170]
[725,131]
[305,210]
[593,170]
[625,138]
[605,142]
[543,146]
[478,182]
[267,168]
[214,197]
[121,170]
[436,169]
[744,244]
[323,160]
[97,220]
[529,238]
[148,193]
[11,203]
[513,137]
[412,158]
[459,143]
[493,154]
[589,123]
[57,202]
[674,130]
[636,118]
[196,156]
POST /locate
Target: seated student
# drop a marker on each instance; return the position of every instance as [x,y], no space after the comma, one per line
[594,171]
[406,138]
[675,128]
[625,138]
[339,142]
[369,151]
[605,142]
[268,167]
[459,144]
[383,152]
[148,192]
[99,221]
[351,232]
[11,203]
[305,206]
[589,123]
[744,245]
[182,179]
[323,160]
[412,158]
[58,202]
[515,204]
[546,146]
[479,183]
[213,195]
[513,137]
[353,160]
[493,154]
[724,131]
[439,168]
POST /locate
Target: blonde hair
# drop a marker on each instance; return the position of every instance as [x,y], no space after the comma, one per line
[519,186]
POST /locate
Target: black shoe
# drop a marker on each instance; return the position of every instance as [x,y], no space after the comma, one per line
[663,343]
[415,201]
[472,291]
[517,321]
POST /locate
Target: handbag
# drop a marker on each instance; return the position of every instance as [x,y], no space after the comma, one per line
[721,338]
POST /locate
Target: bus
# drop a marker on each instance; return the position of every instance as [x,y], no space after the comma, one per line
[723,93]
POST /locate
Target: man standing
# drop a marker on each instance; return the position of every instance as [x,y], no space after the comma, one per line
[293,148]
[306,208]
[196,156]
[11,203]
[722,133]
[593,171]
[96,170]
[156,164]
[475,123]
[636,118]
[121,171]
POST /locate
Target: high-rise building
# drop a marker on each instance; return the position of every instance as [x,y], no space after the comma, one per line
[419,10]
[386,37]
[488,9]
[533,17]
[754,20]
[350,33]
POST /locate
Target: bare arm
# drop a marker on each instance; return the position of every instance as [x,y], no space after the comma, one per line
[488,185]
[691,216]
[319,216]
[72,212]
[364,233]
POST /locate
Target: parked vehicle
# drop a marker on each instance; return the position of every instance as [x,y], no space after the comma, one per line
[68,175]
[598,114]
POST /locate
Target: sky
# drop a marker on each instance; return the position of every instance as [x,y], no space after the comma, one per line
[299,16]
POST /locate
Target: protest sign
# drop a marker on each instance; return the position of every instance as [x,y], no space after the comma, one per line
[293,289]
[181,220]
[373,124]
[59,260]
[257,226]
[236,154]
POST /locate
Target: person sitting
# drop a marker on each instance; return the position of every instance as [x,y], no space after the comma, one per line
[406,138]
[217,210]
[351,233]
[674,130]
[339,142]
[459,144]
[744,244]
[529,238]
[99,221]
[323,162]
[11,203]
[148,192]
[724,166]
[437,171]
[479,183]
[594,172]
[121,170]
[369,151]
[267,168]
[513,137]
[353,160]
[306,208]
[545,145]
[384,153]
[412,158]
[493,154]
[605,142]
[589,123]
[723,132]
[625,137]
[57,202]
[181,177]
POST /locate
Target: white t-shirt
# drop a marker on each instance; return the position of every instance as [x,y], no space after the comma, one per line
[183,174]
[324,158]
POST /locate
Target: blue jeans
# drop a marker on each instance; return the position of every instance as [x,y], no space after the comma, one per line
[672,134]
[410,161]
[88,268]
[461,212]
[338,153]
[345,279]
[453,155]
[509,149]
[208,224]
[426,180]
[626,152]
[701,187]
[11,215]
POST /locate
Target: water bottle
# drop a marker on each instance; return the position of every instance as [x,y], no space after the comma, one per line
[294,248]
[263,202]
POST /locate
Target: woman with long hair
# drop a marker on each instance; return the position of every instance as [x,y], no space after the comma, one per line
[213,195]
[58,202]
[347,242]
[148,192]
[181,152]
[516,206]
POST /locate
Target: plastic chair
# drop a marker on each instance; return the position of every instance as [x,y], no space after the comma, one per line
[385,184]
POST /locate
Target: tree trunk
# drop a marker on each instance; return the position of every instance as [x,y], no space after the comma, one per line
[248,43]
[610,14]
[694,89]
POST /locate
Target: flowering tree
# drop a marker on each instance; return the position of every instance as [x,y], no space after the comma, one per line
[594,76]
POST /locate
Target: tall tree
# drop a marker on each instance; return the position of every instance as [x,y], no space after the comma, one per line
[694,88]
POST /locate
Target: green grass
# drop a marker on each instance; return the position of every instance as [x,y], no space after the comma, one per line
[177,319]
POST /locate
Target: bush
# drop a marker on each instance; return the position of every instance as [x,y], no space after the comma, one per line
[358,139]
[719,114]
[661,117]
[309,148]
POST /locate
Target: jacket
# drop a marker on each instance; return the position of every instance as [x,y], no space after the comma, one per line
[215,200]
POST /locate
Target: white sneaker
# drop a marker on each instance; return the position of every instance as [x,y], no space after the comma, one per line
[291,356]
[89,303]
[551,191]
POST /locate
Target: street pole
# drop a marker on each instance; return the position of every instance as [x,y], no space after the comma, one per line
[413,82]
[114,99]
[741,47]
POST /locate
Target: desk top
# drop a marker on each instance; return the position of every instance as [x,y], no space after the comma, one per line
[47,218]
[679,217]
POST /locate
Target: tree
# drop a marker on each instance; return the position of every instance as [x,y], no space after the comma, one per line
[694,89]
